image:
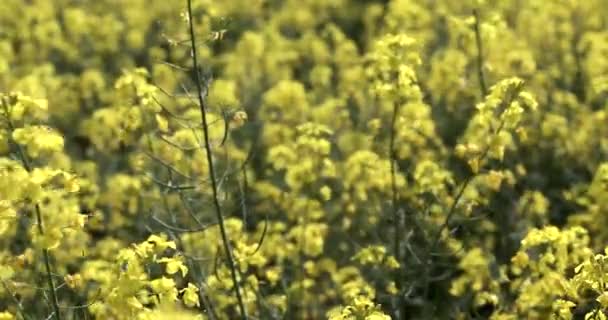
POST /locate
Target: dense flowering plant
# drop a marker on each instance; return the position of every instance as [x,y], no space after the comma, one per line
[316,159]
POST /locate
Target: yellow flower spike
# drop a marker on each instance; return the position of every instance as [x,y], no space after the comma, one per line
[26,107]
[38,140]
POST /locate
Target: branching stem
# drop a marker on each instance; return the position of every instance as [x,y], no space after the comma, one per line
[216,203]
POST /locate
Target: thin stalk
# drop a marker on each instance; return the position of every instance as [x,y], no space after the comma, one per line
[396,218]
[393,158]
[479,45]
[47,265]
[216,204]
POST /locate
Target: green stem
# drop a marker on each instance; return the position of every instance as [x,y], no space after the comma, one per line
[216,204]
[393,158]
[397,232]
[479,44]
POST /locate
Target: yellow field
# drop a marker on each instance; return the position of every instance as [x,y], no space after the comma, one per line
[303,159]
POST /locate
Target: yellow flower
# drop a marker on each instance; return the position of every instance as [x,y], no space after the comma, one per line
[38,140]
[173,265]
[325,193]
[162,123]
[392,288]
[73,281]
[238,119]
[190,296]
